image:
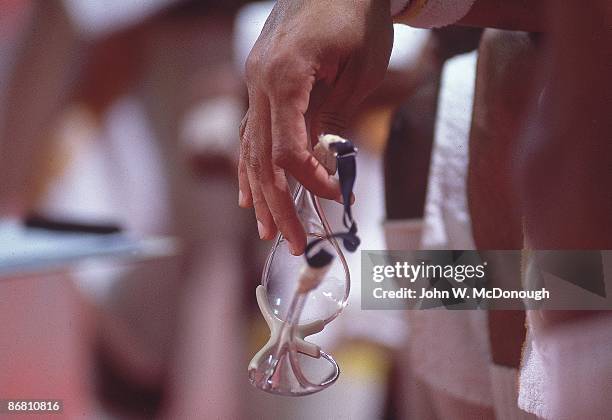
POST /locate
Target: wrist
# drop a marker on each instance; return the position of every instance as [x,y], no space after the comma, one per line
[430,13]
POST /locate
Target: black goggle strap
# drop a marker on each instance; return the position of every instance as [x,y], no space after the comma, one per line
[347,172]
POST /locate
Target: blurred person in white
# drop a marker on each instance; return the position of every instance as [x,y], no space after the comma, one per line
[113,66]
[42,354]
[160,326]
[20,350]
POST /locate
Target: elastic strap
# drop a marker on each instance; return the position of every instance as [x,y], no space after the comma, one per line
[347,172]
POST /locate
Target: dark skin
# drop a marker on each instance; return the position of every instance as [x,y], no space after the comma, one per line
[408,150]
[563,185]
[506,77]
[567,158]
[312,66]
[564,159]
[408,153]
[306,75]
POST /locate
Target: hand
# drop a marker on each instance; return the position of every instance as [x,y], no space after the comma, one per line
[313,64]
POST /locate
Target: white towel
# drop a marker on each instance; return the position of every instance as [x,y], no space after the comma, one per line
[505,385]
[531,380]
[572,367]
[447,219]
[569,359]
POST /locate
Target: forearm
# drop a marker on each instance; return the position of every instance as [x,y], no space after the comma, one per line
[524,15]
[516,15]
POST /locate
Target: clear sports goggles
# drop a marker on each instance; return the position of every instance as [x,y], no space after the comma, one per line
[299,296]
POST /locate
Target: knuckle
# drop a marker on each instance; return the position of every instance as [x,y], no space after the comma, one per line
[281,74]
[252,66]
[254,166]
[259,202]
[241,168]
[279,61]
[244,142]
[242,127]
[333,121]
[283,156]
[284,217]
[244,151]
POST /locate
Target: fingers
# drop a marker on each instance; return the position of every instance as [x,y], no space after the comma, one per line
[254,145]
[275,143]
[290,151]
[265,222]
[280,202]
[245,198]
[268,185]
[313,175]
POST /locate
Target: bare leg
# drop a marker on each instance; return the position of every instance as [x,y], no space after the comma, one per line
[567,178]
[564,161]
[408,151]
[506,71]
[566,182]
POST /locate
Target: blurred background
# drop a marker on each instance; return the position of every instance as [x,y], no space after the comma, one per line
[123,116]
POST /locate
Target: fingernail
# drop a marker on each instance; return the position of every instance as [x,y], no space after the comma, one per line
[240,198]
[294,250]
[262,230]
